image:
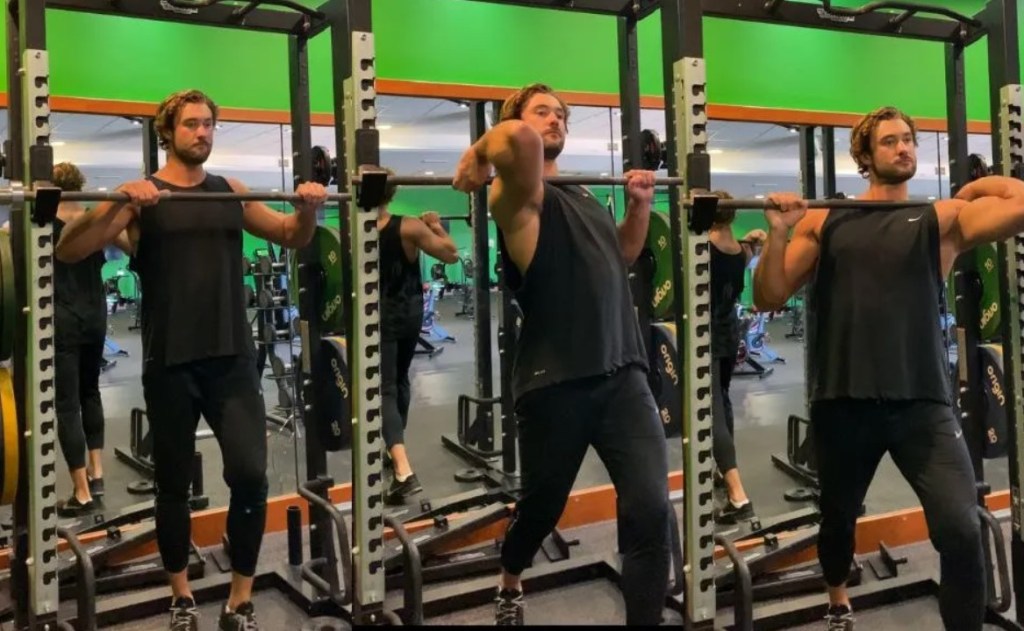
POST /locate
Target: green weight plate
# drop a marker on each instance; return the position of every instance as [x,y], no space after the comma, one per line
[8,319]
[988,269]
[996,435]
[335,417]
[669,372]
[331,310]
[659,240]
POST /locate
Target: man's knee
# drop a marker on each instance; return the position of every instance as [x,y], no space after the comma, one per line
[958,534]
[645,522]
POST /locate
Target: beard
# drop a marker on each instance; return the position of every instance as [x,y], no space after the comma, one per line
[894,174]
[553,148]
[193,155]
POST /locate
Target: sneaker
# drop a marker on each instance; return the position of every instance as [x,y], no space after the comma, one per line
[241,619]
[839,618]
[74,508]
[731,514]
[509,608]
[184,615]
[96,487]
[398,491]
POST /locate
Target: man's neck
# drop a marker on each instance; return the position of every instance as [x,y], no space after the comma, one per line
[550,168]
[879,191]
[180,174]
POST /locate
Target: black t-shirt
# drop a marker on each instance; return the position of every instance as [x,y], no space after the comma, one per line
[873,327]
[189,261]
[401,286]
[728,276]
[578,314]
[80,300]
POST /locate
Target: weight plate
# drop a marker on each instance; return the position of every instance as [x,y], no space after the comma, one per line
[996,439]
[331,310]
[8,307]
[988,270]
[9,418]
[669,372]
[333,395]
[659,240]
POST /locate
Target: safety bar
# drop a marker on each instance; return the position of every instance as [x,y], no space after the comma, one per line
[743,606]
[85,581]
[1000,604]
[412,568]
[344,547]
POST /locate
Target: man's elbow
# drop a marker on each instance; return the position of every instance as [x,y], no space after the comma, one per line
[451,256]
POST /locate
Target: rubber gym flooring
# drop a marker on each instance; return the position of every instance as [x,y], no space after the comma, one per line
[761,405]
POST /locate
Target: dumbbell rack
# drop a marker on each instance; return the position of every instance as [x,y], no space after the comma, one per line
[269,300]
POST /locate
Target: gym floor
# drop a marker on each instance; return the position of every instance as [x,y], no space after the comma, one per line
[762,407]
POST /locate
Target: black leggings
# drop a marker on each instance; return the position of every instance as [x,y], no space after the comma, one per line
[926,443]
[79,406]
[617,415]
[723,443]
[396,358]
[226,392]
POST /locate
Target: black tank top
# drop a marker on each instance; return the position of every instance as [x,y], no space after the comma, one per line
[401,286]
[873,326]
[80,301]
[189,261]
[728,276]
[578,314]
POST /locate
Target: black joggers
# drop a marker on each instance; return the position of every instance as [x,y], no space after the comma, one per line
[79,407]
[926,443]
[226,392]
[395,391]
[617,415]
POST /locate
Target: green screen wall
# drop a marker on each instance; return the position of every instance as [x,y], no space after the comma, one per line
[477,43]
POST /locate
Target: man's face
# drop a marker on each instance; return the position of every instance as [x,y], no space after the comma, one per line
[545,114]
[893,152]
[193,134]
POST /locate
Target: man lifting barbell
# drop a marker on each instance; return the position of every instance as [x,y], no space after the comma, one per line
[401,292]
[578,378]
[877,362]
[198,351]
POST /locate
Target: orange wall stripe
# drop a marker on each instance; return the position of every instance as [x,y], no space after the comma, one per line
[394,87]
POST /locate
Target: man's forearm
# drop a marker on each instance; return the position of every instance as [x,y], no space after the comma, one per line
[87,234]
[633,230]
[770,286]
[300,226]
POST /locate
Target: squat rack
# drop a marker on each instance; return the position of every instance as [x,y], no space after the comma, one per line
[318,585]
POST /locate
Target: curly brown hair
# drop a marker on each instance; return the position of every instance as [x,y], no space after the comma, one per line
[724,215]
[68,177]
[513,106]
[863,134]
[167,114]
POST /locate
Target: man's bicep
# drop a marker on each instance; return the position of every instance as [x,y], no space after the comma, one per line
[801,256]
[509,203]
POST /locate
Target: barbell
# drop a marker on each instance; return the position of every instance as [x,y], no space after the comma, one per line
[697,200]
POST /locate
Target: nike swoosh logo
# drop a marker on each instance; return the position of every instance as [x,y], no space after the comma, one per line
[959,433]
[914,219]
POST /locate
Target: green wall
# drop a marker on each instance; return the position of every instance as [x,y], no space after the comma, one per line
[752,64]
